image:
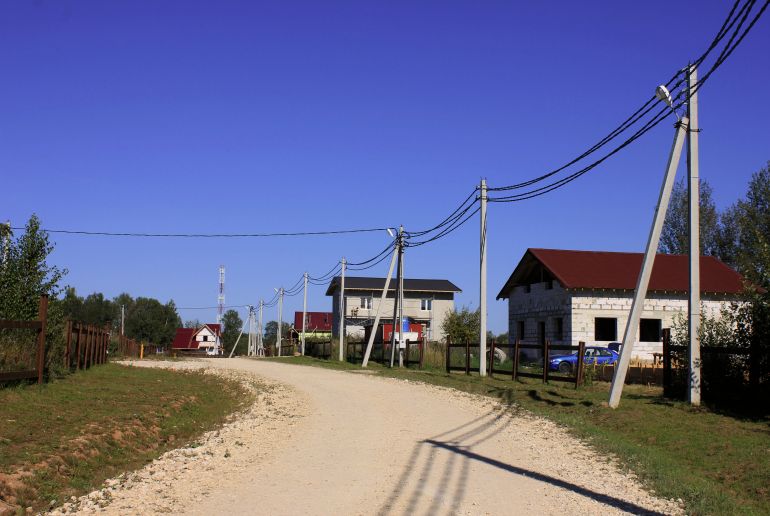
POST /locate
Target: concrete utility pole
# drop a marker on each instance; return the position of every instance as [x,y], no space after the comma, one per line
[122,319]
[252,350]
[304,314]
[693,192]
[280,319]
[342,312]
[483,283]
[396,296]
[376,325]
[260,343]
[401,338]
[637,306]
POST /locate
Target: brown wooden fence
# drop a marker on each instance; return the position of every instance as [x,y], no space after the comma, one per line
[86,345]
[129,347]
[318,349]
[470,351]
[39,326]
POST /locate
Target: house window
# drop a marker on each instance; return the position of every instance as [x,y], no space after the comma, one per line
[549,285]
[650,330]
[605,328]
[528,289]
[366,303]
[559,329]
[205,338]
[426,304]
[520,330]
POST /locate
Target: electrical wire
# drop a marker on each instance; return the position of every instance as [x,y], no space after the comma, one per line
[209,235]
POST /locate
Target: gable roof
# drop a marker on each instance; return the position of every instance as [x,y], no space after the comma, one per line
[410,285]
[185,337]
[610,270]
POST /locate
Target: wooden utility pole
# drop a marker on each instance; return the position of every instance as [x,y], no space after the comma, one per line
[693,196]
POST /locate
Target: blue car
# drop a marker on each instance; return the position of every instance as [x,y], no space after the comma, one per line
[593,355]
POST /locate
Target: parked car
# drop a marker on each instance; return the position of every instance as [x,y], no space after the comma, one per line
[593,355]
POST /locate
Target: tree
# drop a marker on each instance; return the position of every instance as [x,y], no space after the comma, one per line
[753,230]
[271,331]
[148,319]
[26,275]
[674,238]
[231,328]
[463,325]
[193,323]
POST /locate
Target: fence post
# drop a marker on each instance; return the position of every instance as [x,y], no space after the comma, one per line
[492,359]
[69,343]
[546,345]
[43,316]
[515,370]
[666,362]
[580,364]
[467,357]
[79,346]
[448,350]
[422,352]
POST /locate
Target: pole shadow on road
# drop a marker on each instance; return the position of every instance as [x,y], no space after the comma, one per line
[412,487]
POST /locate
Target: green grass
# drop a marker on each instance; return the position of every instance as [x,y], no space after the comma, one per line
[716,463]
[66,437]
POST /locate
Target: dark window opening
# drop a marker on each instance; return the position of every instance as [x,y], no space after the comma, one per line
[549,284]
[541,332]
[650,330]
[520,331]
[528,289]
[605,328]
[559,328]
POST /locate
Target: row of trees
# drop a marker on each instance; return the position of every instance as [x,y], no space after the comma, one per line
[740,237]
[146,318]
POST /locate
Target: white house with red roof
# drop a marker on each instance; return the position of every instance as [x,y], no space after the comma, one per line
[572,296]
[206,338]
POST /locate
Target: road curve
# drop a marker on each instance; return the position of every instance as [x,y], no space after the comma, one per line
[351,443]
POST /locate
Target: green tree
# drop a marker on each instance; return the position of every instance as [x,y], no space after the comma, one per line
[674,238]
[462,325]
[193,323]
[148,319]
[753,230]
[231,328]
[271,332]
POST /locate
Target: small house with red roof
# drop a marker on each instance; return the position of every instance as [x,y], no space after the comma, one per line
[572,296]
[206,338]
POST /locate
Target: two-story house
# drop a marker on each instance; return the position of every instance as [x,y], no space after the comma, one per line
[426,302]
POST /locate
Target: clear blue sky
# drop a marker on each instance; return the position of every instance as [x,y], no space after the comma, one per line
[288,116]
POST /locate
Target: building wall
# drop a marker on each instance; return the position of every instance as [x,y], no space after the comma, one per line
[579,310]
[357,316]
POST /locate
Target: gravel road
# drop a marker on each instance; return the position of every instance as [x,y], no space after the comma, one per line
[319,441]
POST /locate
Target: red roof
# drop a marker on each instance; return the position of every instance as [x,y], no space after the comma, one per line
[606,270]
[318,321]
[184,338]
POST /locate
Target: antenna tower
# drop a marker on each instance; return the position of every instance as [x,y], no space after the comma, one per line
[221,298]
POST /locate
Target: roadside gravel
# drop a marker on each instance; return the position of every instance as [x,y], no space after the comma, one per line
[318,441]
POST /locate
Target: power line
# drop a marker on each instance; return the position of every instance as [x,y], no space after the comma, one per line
[209,235]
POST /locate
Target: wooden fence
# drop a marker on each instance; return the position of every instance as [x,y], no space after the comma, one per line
[39,326]
[381,353]
[318,349]
[130,347]
[86,345]
[470,351]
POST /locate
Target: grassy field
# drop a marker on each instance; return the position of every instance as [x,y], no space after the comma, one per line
[716,463]
[66,437]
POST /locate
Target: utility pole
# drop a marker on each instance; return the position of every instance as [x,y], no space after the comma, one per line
[304,314]
[693,196]
[483,283]
[342,312]
[401,339]
[280,320]
[260,343]
[396,296]
[643,282]
[376,324]
[122,319]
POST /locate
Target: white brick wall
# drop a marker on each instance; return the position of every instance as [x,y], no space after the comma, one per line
[578,310]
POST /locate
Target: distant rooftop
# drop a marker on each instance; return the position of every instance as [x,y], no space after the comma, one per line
[410,285]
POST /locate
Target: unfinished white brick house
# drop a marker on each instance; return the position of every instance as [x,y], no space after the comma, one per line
[572,296]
